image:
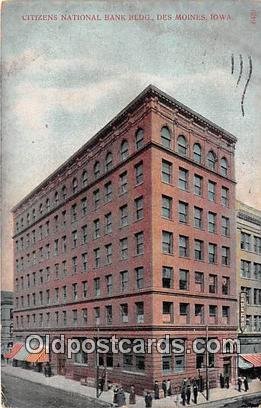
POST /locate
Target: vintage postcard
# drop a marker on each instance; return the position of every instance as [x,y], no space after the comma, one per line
[131,207]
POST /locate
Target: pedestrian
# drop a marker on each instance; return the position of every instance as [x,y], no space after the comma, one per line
[156,390]
[239,383]
[246,384]
[221,380]
[188,393]
[183,395]
[148,400]
[195,392]
[168,384]
[164,387]
[200,382]
[132,397]
[227,381]
[121,398]
[115,395]
[45,371]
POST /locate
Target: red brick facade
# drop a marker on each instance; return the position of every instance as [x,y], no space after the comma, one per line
[130,221]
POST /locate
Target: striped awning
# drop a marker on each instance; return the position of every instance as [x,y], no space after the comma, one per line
[254,360]
[41,357]
[15,349]
[22,354]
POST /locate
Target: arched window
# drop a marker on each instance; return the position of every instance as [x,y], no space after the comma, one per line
[41,208]
[28,218]
[224,167]
[33,214]
[197,152]
[64,192]
[96,170]
[139,139]
[108,161]
[182,145]
[124,150]
[74,185]
[47,204]
[165,137]
[56,198]
[84,178]
[211,160]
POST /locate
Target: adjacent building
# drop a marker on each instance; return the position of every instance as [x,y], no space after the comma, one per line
[6,321]
[134,236]
[249,277]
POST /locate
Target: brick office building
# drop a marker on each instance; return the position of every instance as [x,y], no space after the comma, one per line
[249,276]
[134,234]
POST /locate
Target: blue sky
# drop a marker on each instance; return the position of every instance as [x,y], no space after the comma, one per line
[64,80]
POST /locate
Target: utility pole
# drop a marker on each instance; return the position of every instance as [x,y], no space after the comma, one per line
[207,362]
[97,365]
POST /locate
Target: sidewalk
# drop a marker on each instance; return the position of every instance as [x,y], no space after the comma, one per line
[63,383]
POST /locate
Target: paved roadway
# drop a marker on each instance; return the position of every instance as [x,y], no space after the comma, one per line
[25,394]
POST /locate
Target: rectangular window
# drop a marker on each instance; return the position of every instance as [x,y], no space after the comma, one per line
[245,269]
[139,277]
[166,207]
[84,289]
[64,318]
[109,284]
[213,310]
[183,246]
[212,253]
[257,297]
[64,268]
[167,242]
[96,199]
[84,262]
[97,290]
[74,291]
[225,255]
[97,315]
[74,239]
[84,234]
[167,312]
[56,295]
[199,254]
[179,363]
[140,312]
[97,258]
[108,254]
[183,212]
[139,208]
[123,182]
[212,283]
[124,215]
[166,172]
[139,243]
[74,317]
[74,264]
[225,285]
[108,192]
[96,229]
[257,271]
[124,313]
[183,279]
[139,173]
[167,277]
[124,275]
[198,212]
[184,309]
[224,196]
[74,213]
[199,311]
[211,191]
[183,179]
[84,206]
[108,223]
[225,311]
[245,241]
[124,248]
[212,222]
[108,314]
[84,316]
[257,245]
[225,226]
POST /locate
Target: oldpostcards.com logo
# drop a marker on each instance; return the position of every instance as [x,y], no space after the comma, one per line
[166,345]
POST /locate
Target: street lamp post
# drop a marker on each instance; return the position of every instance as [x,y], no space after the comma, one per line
[207,362]
[97,364]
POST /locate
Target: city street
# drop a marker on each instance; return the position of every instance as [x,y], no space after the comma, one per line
[25,394]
